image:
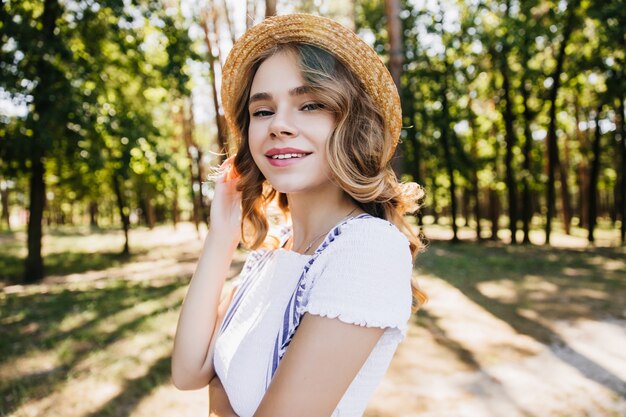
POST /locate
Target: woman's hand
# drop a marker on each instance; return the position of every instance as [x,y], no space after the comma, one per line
[219,404]
[202,312]
[226,204]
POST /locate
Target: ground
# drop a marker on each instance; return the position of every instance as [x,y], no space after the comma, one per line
[527,331]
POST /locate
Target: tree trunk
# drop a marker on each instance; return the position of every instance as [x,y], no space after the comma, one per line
[34,268]
[612,198]
[433,193]
[42,102]
[615,197]
[529,115]
[494,213]
[509,135]
[583,169]
[203,205]
[511,183]
[476,205]
[528,144]
[218,51]
[576,204]
[465,206]
[552,145]
[621,125]
[583,184]
[445,131]
[175,210]
[229,22]
[193,171]
[149,208]
[4,197]
[70,215]
[123,211]
[194,155]
[566,203]
[415,146]
[270,8]
[396,58]
[219,118]
[93,214]
[474,169]
[593,182]
[250,13]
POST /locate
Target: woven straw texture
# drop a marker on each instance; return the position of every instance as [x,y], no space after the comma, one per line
[322,32]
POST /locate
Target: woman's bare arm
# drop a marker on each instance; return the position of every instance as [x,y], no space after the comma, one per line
[219,404]
[192,364]
[326,354]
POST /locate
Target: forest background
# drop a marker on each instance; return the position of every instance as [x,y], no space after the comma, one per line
[110,120]
[513,110]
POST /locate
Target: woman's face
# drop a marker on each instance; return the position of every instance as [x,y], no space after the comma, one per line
[288,128]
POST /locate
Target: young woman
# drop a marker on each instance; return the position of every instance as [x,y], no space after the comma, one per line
[324,299]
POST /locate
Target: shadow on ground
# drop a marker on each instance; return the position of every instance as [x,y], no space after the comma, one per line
[26,329]
[529,286]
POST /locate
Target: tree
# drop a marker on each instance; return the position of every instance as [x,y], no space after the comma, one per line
[89,72]
[209,33]
[501,56]
[270,8]
[396,56]
[44,58]
[552,145]
[595,168]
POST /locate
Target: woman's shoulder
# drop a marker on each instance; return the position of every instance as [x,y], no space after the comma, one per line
[366,229]
[364,275]
[366,240]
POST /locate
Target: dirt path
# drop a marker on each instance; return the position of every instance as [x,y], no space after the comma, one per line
[459,358]
[475,365]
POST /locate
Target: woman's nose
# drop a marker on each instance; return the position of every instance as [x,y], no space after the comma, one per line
[282,126]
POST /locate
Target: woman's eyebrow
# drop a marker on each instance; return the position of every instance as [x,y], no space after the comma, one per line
[299,91]
[259,97]
[296,91]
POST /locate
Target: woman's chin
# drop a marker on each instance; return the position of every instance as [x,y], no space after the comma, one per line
[286,189]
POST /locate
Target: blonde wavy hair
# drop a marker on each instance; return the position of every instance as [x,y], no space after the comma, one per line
[359,151]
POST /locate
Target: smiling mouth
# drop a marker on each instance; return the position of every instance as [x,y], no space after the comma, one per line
[288,155]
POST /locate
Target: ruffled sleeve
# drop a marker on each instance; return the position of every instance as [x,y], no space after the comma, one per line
[363,277]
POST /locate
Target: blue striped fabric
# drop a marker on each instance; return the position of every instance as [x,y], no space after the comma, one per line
[291,317]
[258,260]
[242,290]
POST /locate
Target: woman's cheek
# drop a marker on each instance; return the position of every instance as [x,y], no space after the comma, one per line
[258,159]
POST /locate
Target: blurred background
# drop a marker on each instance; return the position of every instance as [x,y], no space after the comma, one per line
[110,120]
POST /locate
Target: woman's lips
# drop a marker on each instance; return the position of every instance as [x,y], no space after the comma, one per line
[283,162]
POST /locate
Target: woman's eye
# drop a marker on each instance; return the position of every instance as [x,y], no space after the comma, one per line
[261,113]
[313,106]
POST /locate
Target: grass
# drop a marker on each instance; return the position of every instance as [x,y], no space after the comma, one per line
[97,249]
[552,283]
[45,346]
[99,345]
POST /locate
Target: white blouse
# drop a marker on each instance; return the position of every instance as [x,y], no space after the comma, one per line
[361,275]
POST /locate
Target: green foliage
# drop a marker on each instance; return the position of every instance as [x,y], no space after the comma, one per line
[455,52]
[101,91]
[98,91]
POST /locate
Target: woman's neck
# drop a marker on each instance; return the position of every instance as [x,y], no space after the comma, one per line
[314,214]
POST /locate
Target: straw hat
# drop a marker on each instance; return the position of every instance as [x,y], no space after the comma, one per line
[324,33]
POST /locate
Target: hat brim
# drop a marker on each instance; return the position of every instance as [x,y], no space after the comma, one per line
[326,34]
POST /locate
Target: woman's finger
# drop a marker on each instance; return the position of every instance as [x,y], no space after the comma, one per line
[229,168]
